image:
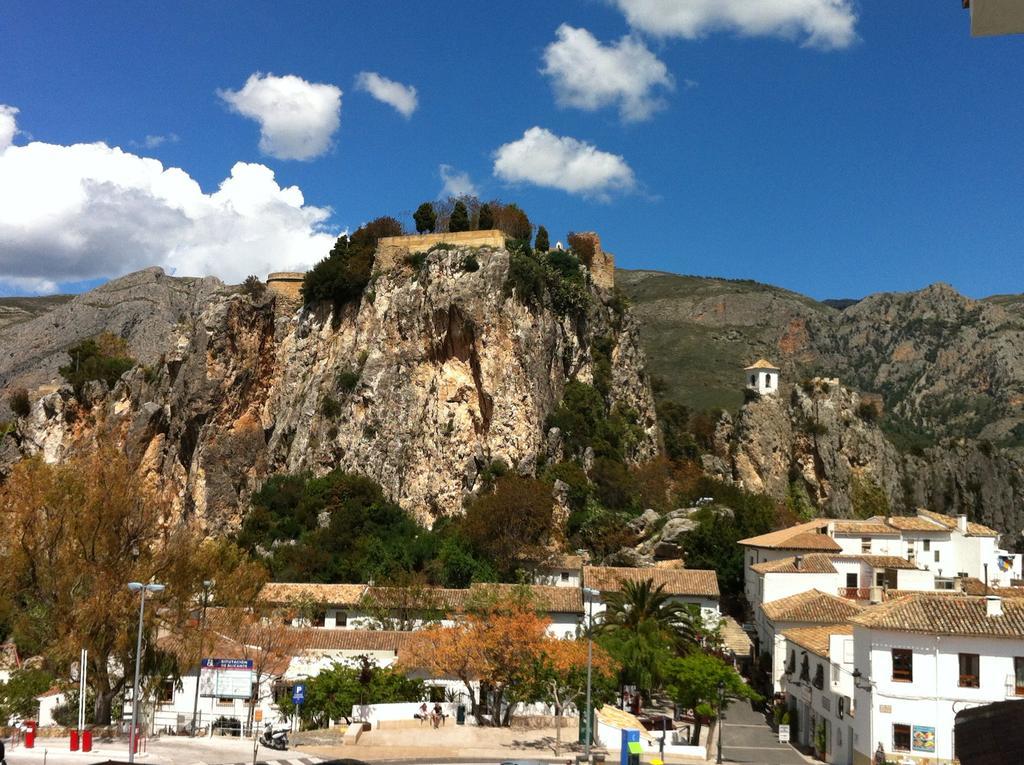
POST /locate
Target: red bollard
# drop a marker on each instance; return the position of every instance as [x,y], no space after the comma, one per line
[30,734]
[74,740]
[86,740]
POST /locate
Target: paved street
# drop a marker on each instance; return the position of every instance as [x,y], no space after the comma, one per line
[747,738]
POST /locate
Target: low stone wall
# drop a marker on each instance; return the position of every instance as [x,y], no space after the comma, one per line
[392,249]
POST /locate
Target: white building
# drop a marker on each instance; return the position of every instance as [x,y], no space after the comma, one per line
[811,609]
[762,376]
[818,682]
[923,658]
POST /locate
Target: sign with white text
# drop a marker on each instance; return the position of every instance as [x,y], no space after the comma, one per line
[783,734]
[226,678]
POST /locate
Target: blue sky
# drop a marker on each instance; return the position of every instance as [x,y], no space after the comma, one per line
[833,160]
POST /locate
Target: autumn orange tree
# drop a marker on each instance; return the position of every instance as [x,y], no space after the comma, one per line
[563,667]
[75,534]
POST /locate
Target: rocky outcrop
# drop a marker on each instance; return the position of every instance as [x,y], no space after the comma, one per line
[817,443]
[436,372]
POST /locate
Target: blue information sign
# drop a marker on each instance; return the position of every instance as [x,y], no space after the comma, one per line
[298,693]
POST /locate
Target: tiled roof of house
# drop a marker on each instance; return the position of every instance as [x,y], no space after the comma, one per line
[814,563]
[676,581]
[554,600]
[805,536]
[974,586]
[973,529]
[811,606]
[871,527]
[878,561]
[916,523]
[425,598]
[762,364]
[734,637]
[943,615]
[318,639]
[328,594]
[816,639]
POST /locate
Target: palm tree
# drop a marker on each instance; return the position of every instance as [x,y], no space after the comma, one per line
[640,602]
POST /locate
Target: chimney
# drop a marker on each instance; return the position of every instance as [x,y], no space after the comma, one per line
[798,562]
[961,524]
[830,528]
[993,605]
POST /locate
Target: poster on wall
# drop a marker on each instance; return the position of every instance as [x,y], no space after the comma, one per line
[226,678]
[923,739]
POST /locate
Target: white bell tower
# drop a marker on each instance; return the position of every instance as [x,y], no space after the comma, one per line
[762,376]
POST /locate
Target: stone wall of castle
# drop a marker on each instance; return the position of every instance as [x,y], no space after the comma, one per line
[392,249]
[287,284]
[602,264]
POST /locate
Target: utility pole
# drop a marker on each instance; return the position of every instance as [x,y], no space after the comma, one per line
[202,633]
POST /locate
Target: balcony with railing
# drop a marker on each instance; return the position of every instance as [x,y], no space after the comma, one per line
[855,593]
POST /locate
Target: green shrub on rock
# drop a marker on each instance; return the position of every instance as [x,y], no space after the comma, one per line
[104,358]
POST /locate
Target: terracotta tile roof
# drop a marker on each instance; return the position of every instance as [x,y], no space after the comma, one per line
[811,606]
[318,639]
[762,364]
[944,615]
[554,600]
[328,594]
[974,586]
[9,656]
[816,639]
[805,536]
[426,598]
[869,527]
[973,529]
[916,523]
[815,563]
[878,561]
[677,581]
[734,637]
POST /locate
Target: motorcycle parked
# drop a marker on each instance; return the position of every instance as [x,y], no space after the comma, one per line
[274,738]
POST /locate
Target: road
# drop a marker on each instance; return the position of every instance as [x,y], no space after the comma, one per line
[747,738]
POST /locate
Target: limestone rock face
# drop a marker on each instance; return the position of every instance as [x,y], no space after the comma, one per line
[435,373]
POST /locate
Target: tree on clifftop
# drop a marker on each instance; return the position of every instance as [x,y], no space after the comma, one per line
[542,243]
[486,218]
[459,220]
[425,218]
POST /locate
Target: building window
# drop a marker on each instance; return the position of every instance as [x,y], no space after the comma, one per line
[927,545]
[865,545]
[753,380]
[767,381]
[166,692]
[879,578]
[819,678]
[565,576]
[340,619]
[903,665]
[841,708]
[901,738]
[281,691]
[1018,674]
[318,618]
[791,664]
[969,673]
[936,556]
[805,669]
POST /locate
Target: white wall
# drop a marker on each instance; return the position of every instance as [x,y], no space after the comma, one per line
[815,706]
[934,696]
[777,586]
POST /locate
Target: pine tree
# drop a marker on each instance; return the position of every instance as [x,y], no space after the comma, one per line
[542,244]
[426,218]
[486,218]
[459,220]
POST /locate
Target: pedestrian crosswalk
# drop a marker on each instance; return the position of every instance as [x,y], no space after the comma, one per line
[283,761]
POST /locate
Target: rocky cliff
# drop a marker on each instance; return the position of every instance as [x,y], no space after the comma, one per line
[817,446]
[436,372]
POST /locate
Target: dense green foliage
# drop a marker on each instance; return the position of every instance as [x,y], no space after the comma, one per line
[425,218]
[459,220]
[104,358]
[331,694]
[512,523]
[18,694]
[542,243]
[19,402]
[253,287]
[342,276]
[486,219]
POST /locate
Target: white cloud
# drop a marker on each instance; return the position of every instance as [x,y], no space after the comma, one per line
[87,211]
[825,24]
[456,183]
[589,75]
[297,118]
[542,158]
[8,126]
[153,141]
[401,97]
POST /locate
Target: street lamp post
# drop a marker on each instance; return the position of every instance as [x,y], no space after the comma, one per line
[142,589]
[207,584]
[591,594]
[721,718]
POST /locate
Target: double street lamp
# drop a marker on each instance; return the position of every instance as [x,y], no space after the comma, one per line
[142,589]
[591,594]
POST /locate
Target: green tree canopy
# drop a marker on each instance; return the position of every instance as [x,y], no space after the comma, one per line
[425,218]
[104,357]
[542,243]
[486,217]
[342,276]
[459,220]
